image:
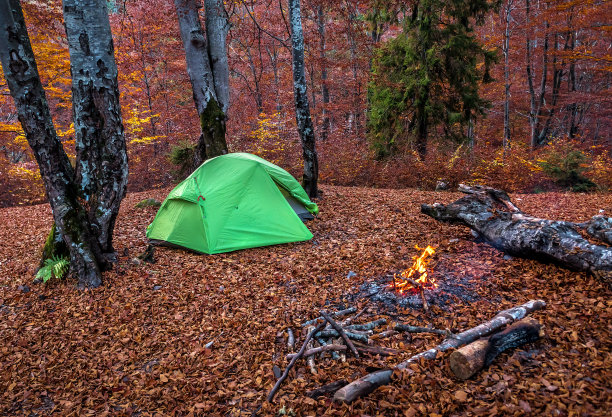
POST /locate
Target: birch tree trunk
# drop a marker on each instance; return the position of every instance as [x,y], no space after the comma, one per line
[506,51]
[212,118]
[101,164]
[302,109]
[24,83]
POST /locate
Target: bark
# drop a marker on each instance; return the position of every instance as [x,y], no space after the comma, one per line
[370,382]
[101,163]
[212,118]
[326,389]
[22,77]
[492,215]
[468,360]
[506,52]
[302,109]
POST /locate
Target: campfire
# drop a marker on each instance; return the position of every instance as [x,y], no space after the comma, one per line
[416,277]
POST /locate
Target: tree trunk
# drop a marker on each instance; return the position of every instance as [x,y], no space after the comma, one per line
[58,175]
[302,109]
[506,52]
[101,164]
[324,88]
[492,215]
[212,118]
[367,384]
[216,34]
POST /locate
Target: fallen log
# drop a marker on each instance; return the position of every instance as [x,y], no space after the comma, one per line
[468,360]
[491,214]
[417,329]
[332,333]
[326,389]
[370,382]
[367,326]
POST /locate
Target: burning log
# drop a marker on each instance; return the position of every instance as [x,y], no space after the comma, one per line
[492,215]
[293,361]
[341,332]
[468,360]
[370,382]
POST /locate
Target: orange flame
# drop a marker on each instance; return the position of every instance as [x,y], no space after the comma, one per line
[417,274]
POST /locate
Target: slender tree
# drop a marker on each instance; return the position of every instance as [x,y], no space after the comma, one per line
[70,203]
[302,108]
[324,85]
[208,71]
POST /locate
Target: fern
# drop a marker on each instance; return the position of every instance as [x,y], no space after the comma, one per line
[56,266]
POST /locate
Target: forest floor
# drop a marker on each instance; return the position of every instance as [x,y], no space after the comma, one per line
[135,347]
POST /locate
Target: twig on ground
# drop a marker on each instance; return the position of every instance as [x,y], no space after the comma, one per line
[337,314]
[341,332]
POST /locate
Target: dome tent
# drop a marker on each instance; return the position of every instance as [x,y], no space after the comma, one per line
[231,202]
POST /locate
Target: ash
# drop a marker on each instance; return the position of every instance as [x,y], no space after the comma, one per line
[451,289]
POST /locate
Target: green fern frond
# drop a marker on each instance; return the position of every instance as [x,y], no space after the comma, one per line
[56,266]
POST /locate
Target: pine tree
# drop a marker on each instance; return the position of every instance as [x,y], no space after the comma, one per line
[428,76]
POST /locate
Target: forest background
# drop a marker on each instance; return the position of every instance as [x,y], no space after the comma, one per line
[553,74]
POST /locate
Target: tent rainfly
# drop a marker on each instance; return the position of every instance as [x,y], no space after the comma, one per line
[231,202]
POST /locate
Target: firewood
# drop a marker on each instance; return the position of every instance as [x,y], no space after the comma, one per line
[326,389]
[337,314]
[491,214]
[468,360]
[375,350]
[370,382]
[328,334]
[290,339]
[355,317]
[417,329]
[293,361]
[367,326]
[385,334]
[310,360]
[340,331]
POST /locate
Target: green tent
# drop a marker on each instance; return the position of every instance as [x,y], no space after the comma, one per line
[232,202]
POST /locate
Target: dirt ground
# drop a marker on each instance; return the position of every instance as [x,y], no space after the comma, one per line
[136,346]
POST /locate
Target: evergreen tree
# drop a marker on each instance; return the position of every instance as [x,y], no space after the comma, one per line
[428,76]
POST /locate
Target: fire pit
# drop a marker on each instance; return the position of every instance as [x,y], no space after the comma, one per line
[420,285]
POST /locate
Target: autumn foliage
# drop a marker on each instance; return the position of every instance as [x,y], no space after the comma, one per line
[569,71]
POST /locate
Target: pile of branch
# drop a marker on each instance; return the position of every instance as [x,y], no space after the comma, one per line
[491,214]
[476,357]
[328,335]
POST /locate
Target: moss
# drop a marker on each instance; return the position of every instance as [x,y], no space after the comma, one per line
[212,122]
[54,247]
[148,202]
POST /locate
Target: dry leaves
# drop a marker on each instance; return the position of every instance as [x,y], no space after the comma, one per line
[137,346]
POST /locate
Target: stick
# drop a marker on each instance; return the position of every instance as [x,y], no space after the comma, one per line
[334,386]
[336,314]
[327,334]
[367,326]
[290,339]
[370,382]
[355,317]
[335,347]
[341,332]
[417,329]
[293,361]
[385,334]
